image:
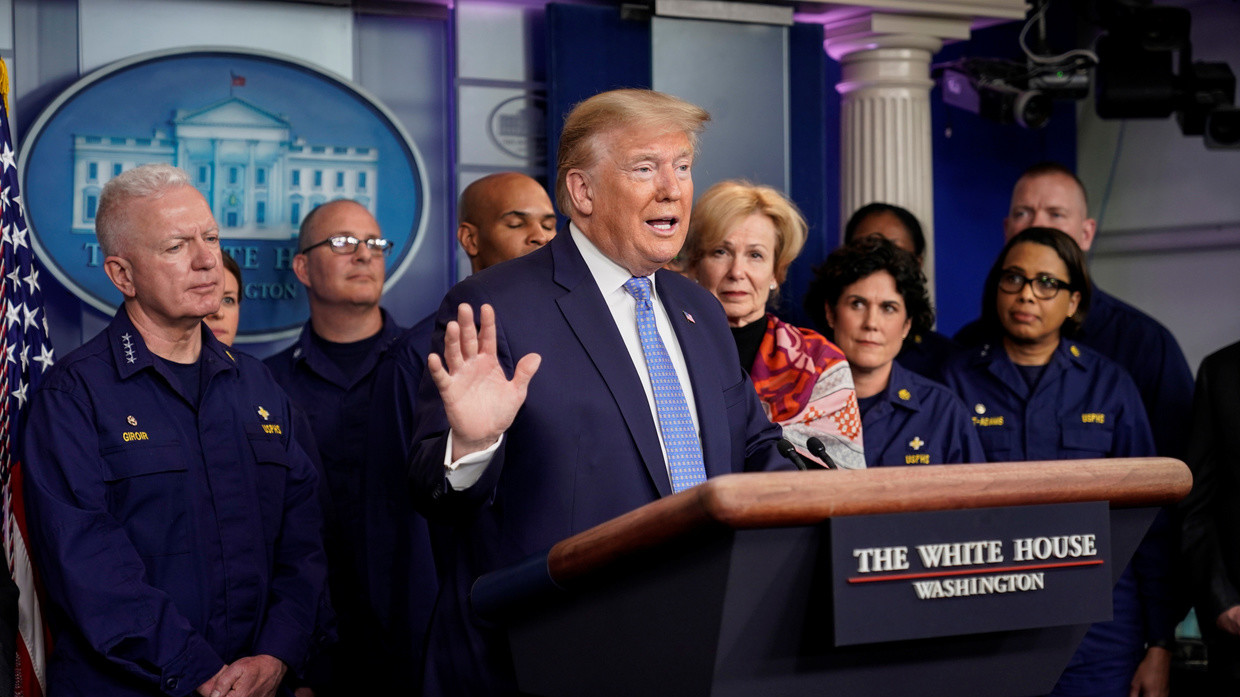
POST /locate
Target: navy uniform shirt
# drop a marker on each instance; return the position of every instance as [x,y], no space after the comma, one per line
[925,353]
[918,422]
[372,595]
[1083,406]
[1153,358]
[173,536]
[1150,354]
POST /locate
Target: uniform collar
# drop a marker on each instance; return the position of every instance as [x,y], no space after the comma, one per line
[901,393]
[307,353]
[1068,355]
[1070,352]
[130,354]
[129,351]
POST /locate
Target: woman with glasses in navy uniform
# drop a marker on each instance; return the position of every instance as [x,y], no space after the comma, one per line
[1035,394]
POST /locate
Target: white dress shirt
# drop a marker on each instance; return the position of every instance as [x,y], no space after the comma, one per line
[610,278]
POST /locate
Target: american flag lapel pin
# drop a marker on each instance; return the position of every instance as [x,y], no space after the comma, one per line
[689,317]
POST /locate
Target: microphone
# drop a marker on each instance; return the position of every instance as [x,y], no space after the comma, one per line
[820,451]
[789,451]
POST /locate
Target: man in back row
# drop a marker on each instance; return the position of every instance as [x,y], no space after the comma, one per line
[330,374]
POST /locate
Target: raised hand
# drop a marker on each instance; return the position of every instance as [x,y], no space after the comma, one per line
[478,398]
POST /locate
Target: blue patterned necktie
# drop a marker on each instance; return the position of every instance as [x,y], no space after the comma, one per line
[680,439]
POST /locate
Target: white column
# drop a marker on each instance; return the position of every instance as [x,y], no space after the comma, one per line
[885,130]
[885,87]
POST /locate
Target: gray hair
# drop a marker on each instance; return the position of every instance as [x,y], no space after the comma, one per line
[144,181]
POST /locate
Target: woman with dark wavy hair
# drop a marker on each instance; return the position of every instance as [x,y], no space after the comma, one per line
[925,350]
[872,294]
[1036,394]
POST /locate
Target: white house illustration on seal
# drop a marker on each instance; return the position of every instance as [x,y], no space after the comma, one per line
[259,181]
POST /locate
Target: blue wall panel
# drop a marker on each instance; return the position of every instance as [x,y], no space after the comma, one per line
[589,50]
[813,159]
[976,162]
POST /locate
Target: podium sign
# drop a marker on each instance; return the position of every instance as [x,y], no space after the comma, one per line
[934,581]
[947,573]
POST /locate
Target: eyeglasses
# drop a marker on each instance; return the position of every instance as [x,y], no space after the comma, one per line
[1044,287]
[347,244]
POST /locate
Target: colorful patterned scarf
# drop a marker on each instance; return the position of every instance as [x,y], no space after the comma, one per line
[806,386]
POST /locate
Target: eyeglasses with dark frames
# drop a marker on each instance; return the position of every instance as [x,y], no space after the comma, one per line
[347,244]
[1044,286]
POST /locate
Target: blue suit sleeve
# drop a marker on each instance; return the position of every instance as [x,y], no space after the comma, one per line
[91,569]
[1206,509]
[1168,395]
[761,453]
[433,496]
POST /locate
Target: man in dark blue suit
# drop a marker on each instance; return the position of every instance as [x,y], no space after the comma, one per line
[545,421]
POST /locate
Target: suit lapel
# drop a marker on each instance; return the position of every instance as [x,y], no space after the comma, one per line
[704,374]
[590,319]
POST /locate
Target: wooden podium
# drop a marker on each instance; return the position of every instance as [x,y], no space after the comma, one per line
[753,584]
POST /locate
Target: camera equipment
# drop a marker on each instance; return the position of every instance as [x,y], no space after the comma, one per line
[1142,68]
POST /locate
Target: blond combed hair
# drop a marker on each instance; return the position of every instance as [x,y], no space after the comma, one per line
[614,110]
[726,204]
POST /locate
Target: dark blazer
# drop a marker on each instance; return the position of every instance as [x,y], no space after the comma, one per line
[1211,534]
[583,449]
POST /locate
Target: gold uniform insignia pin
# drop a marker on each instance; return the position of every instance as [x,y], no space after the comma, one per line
[979,408]
[905,394]
[131,421]
[263,413]
[1075,351]
[916,443]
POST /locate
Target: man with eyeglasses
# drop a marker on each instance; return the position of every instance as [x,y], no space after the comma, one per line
[501,216]
[329,374]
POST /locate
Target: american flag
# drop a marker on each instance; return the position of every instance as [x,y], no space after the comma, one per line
[25,354]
